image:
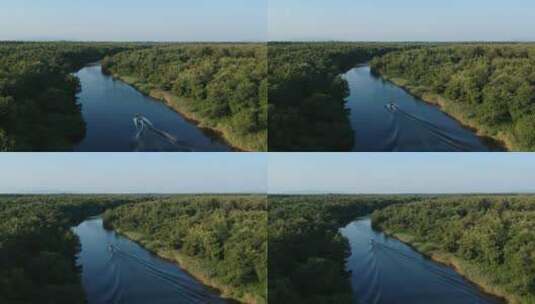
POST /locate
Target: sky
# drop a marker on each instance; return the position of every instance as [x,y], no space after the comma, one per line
[133,173]
[289,173]
[261,20]
[406,20]
[134,20]
[382,173]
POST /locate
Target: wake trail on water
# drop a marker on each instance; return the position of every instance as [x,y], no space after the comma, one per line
[144,126]
[384,270]
[442,275]
[114,294]
[367,269]
[437,132]
[184,287]
[374,294]
[393,140]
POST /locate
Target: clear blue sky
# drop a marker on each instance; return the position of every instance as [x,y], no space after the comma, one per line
[134,20]
[261,172]
[401,173]
[133,172]
[402,20]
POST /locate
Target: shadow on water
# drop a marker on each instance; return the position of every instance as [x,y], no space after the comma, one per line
[386,118]
[108,107]
[117,270]
[384,270]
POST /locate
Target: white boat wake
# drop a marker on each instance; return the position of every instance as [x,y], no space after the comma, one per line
[150,138]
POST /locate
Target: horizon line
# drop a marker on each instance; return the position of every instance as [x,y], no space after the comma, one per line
[403,41]
[132,41]
[132,193]
[402,193]
[262,41]
[264,193]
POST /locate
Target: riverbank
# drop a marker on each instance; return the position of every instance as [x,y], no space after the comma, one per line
[193,267]
[497,140]
[467,270]
[185,107]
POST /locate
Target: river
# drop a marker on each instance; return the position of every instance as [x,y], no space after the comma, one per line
[386,118]
[117,270]
[121,119]
[384,270]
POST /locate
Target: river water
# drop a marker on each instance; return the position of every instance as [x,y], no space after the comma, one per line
[386,118]
[117,270]
[121,119]
[384,270]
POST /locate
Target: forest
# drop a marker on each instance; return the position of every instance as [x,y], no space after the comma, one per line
[37,247]
[307,93]
[307,253]
[490,87]
[38,108]
[491,240]
[223,87]
[221,239]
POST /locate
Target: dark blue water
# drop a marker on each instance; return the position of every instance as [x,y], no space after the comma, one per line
[109,108]
[410,125]
[117,270]
[384,270]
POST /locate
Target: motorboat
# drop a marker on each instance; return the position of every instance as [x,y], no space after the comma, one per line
[391,107]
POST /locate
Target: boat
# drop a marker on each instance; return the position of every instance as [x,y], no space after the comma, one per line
[391,107]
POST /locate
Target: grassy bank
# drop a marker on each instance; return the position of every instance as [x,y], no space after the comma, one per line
[188,109]
[496,139]
[197,269]
[466,269]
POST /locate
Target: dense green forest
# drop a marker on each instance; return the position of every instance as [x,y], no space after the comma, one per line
[489,239]
[38,108]
[489,86]
[307,94]
[307,253]
[37,247]
[221,86]
[222,240]
[224,87]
